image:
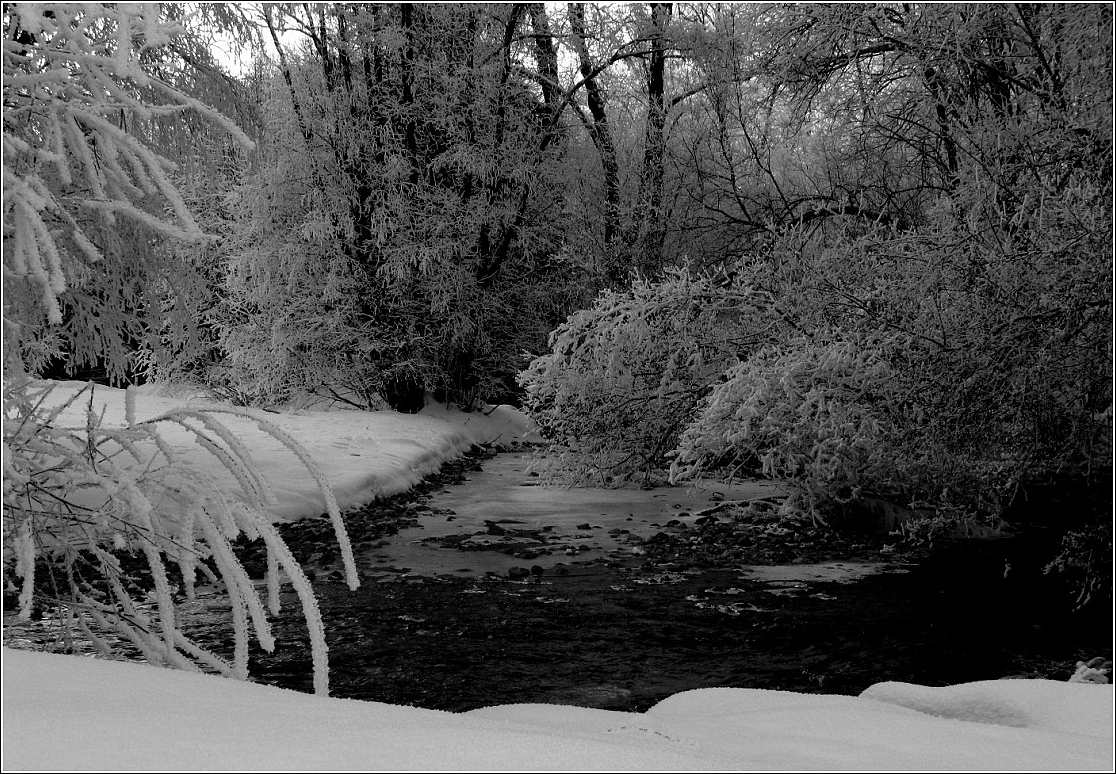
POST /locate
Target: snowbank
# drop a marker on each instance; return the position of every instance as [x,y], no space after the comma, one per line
[66,712]
[364,454]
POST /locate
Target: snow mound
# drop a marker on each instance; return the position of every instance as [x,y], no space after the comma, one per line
[1046,704]
[70,713]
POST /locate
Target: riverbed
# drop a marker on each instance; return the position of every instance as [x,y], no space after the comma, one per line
[499,590]
[485,587]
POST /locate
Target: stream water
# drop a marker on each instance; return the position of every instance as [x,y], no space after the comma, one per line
[502,591]
[484,588]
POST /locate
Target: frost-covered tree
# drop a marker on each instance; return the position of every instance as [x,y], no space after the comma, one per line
[92,216]
[924,193]
[400,233]
[988,253]
[88,202]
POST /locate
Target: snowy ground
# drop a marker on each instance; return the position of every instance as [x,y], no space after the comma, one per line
[65,712]
[364,454]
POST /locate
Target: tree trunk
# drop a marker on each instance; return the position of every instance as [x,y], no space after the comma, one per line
[648,247]
[546,57]
[406,89]
[491,259]
[601,136]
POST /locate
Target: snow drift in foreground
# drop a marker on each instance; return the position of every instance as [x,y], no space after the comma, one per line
[65,712]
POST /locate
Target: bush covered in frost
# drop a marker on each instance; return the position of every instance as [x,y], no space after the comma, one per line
[812,412]
[841,417]
[624,378]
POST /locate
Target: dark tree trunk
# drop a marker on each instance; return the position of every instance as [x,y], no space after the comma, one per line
[404,395]
[648,247]
[406,89]
[492,258]
[601,135]
[546,57]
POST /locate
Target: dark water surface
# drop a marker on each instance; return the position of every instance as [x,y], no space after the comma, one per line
[620,621]
[625,634]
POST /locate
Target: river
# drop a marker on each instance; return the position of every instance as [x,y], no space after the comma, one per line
[484,587]
[505,591]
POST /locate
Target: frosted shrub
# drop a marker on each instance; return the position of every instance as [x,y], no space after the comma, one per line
[623,378]
[77,500]
[811,412]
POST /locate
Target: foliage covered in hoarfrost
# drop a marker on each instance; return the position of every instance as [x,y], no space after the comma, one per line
[90,206]
[88,199]
[811,412]
[623,378]
[83,502]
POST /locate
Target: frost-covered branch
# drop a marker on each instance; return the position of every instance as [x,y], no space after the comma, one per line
[147,503]
[79,161]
